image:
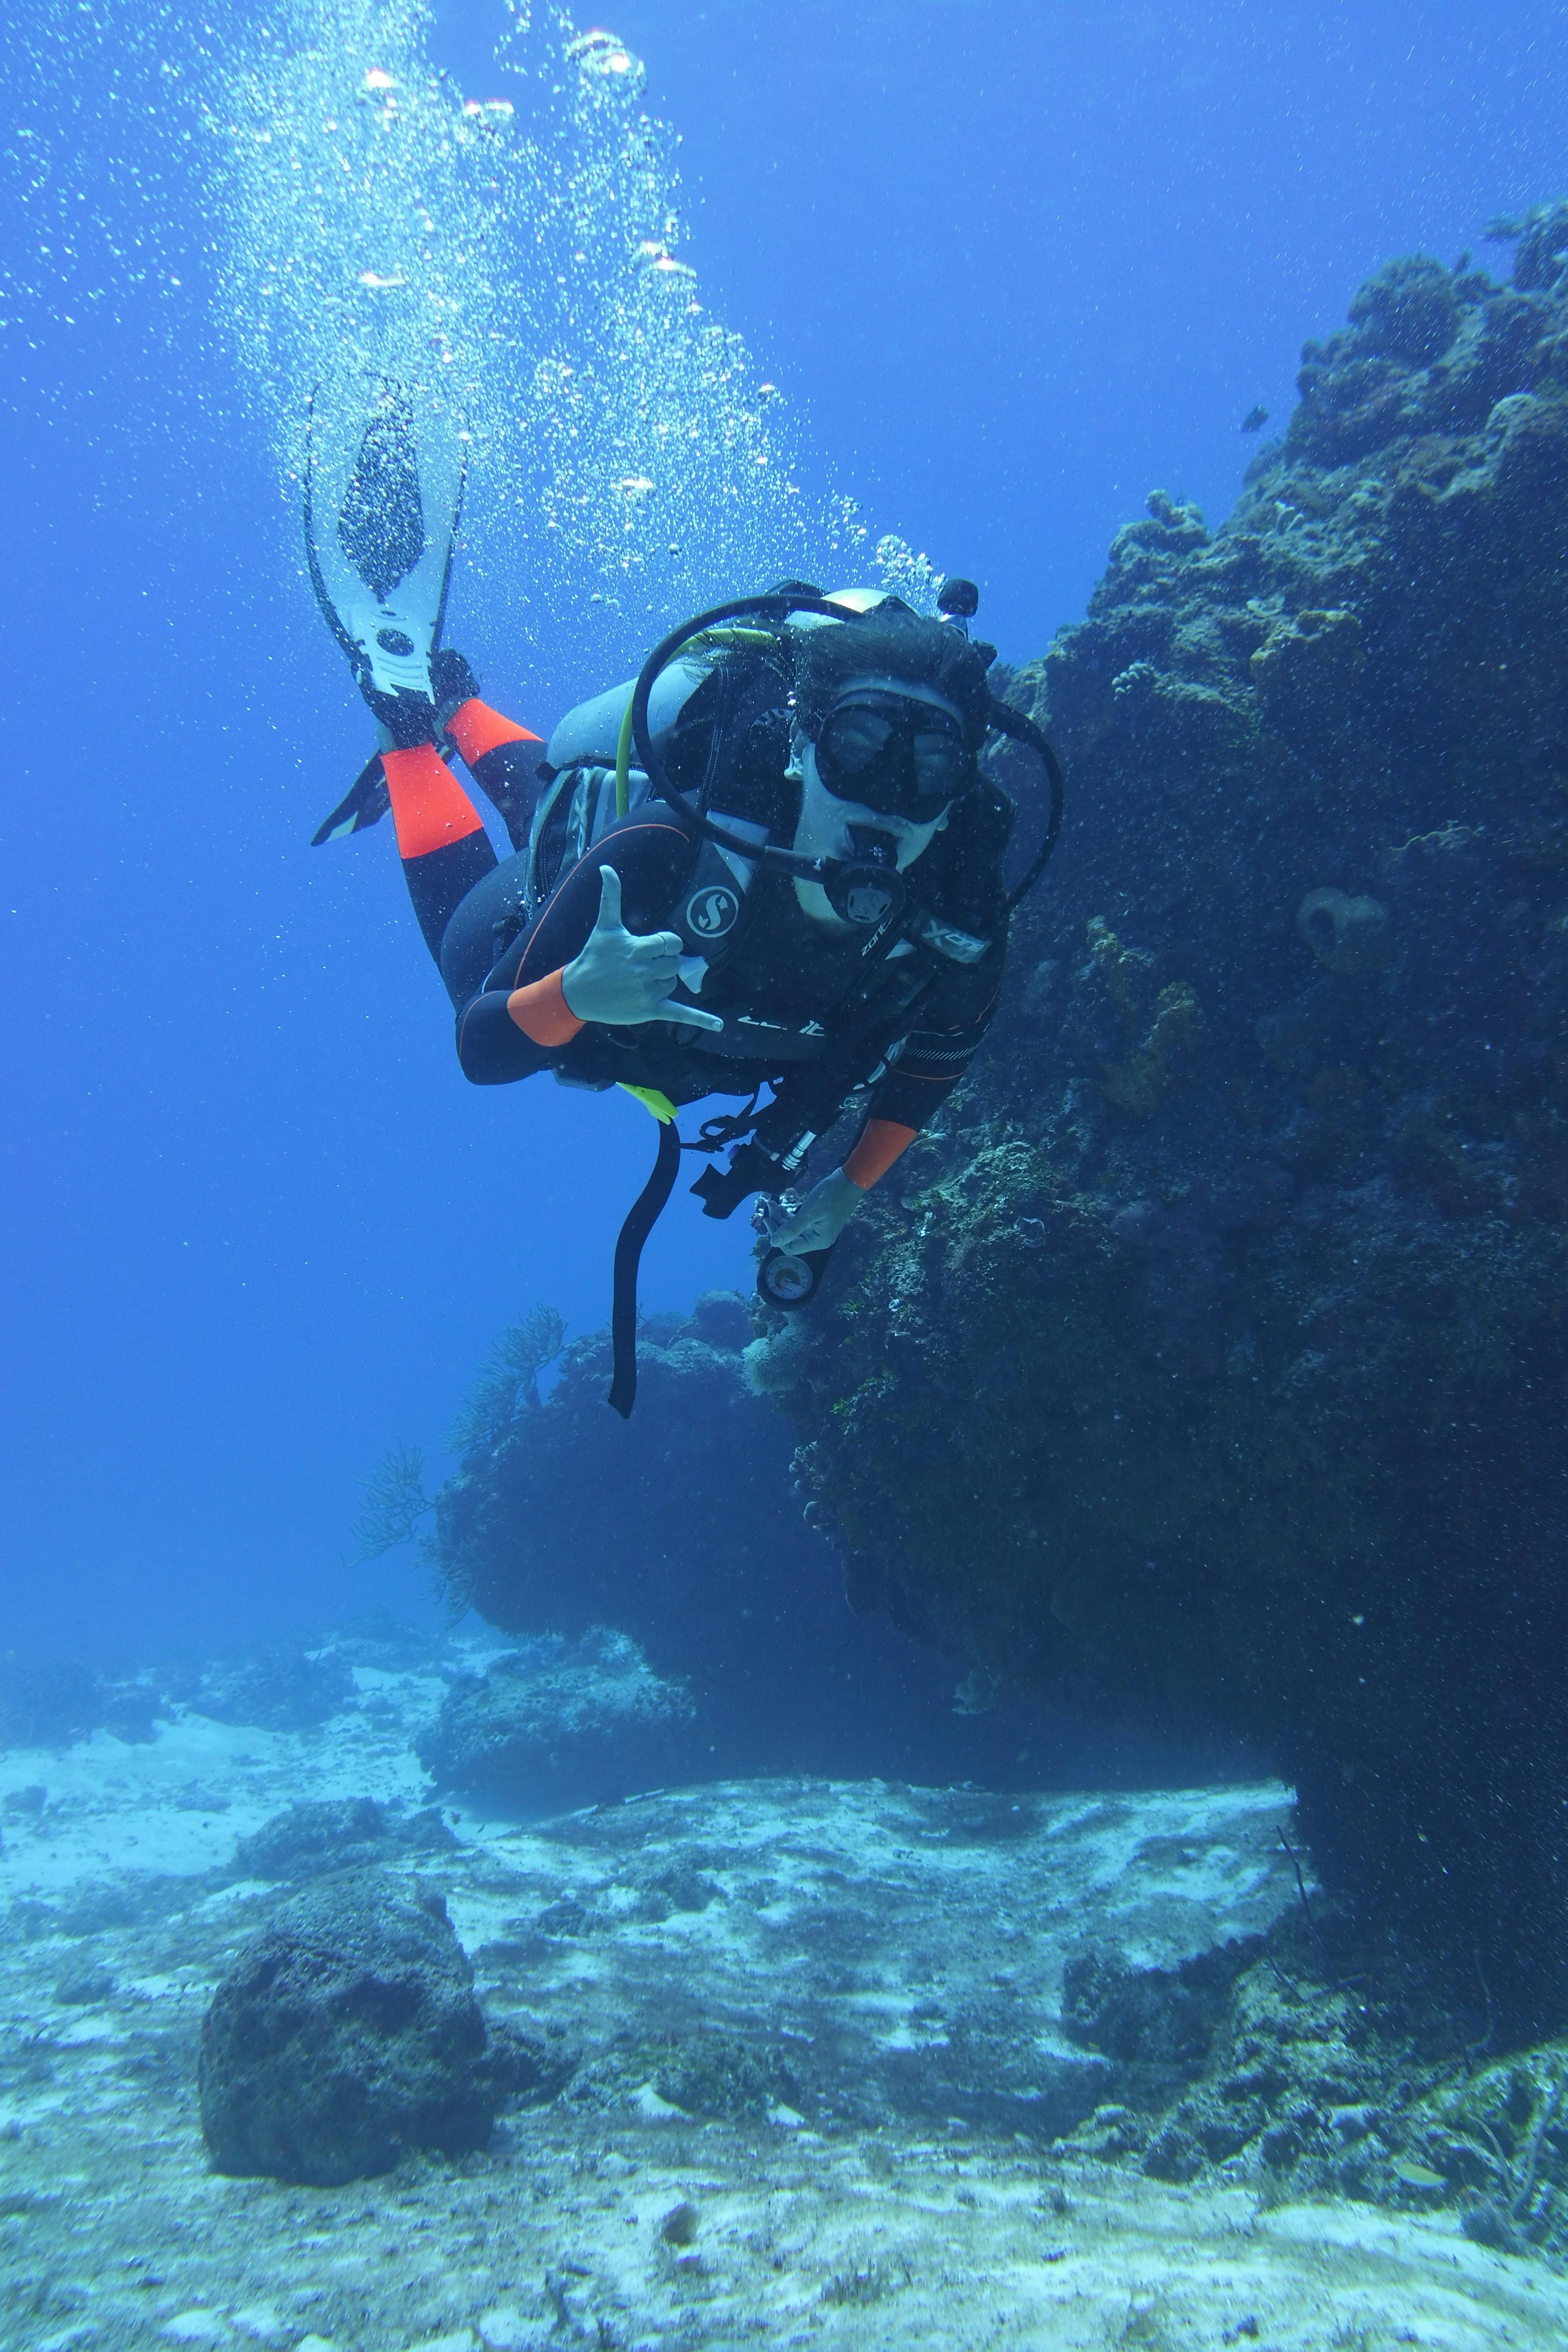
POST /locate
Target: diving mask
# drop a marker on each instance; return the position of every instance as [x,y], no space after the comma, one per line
[894,754]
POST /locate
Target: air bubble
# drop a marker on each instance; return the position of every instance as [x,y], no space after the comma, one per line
[351,196]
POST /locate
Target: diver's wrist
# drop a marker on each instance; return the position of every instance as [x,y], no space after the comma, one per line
[882,1141]
[542,1011]
[568,976]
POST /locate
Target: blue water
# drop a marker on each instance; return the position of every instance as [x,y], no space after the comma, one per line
[1010,268]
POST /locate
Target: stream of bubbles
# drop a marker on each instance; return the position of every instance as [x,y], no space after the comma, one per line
[514,255]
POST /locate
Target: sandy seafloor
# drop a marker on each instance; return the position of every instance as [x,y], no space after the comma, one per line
[905,1946]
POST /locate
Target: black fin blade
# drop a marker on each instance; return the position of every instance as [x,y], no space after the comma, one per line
[382,527]
[366,802]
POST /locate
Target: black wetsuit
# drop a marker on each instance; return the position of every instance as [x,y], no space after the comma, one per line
[805,1008]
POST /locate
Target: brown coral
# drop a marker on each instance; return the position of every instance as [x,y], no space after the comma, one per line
[1141,1084]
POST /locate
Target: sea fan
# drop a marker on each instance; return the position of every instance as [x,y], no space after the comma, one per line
[395,1503]
[508,1385]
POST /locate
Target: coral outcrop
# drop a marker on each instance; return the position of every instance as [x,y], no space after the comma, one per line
[1314,2059]
[1210,1364]
[283,1689]
[679,1615]
[559,1725]
[324,1835]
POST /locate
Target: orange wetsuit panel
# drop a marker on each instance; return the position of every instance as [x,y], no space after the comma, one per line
[429,806]
[542,1012]
[877,1149]
[476,728]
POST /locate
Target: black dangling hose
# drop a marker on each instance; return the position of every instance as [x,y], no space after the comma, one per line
[1008,721]
[642,1217]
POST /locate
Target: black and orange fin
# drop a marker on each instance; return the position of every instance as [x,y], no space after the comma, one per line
[366,802]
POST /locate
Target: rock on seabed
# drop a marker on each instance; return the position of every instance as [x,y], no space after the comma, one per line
[345,2036]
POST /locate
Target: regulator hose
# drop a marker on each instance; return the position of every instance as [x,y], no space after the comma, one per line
[637,734]
[1008,721]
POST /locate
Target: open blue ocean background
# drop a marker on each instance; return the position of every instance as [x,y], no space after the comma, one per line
[1011,263]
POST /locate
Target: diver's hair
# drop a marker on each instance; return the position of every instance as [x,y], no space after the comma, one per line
[890,641]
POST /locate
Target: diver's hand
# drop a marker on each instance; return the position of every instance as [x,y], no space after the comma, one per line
[821,1217]
[408,719]
[623,977]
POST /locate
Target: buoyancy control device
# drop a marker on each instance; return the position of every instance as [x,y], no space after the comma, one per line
[707,733]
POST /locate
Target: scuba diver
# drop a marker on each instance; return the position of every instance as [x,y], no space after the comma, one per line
[771,861]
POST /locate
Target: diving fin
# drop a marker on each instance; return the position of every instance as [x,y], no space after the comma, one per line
[384,497]
[366,802]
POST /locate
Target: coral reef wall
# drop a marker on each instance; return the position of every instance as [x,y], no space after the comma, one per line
[1210,1365]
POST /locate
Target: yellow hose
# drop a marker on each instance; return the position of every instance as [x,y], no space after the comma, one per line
[651,1099]
[624,759]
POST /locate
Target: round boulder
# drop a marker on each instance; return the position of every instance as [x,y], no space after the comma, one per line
[344,2035]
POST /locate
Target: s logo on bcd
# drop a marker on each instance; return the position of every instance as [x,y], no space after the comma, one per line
[712,912]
